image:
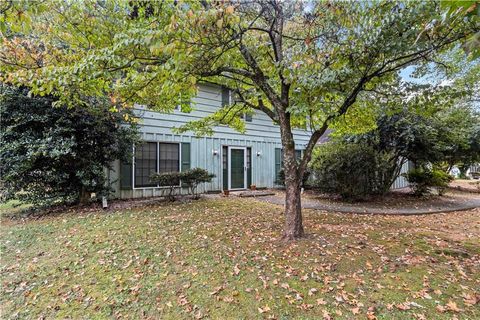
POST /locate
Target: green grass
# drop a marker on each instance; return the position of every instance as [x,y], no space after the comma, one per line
[11,207]
[222,259]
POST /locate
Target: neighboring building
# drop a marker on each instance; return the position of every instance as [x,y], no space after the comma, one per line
[237,160]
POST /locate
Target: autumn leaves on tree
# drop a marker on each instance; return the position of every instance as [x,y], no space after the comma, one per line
[306,65]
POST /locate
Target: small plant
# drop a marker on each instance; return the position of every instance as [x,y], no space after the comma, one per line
[174,180]
[193,177]
[423,180]
[170,180]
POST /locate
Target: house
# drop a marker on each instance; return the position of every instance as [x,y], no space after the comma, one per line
[237,160]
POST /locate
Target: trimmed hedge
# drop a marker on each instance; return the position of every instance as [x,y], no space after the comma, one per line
[190,179]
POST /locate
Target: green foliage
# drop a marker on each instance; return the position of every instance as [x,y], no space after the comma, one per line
[422,180]
[175,180]
[464,9]
[326,54]
[193,177]
[169,180]
[450,136]
[352,170]
[57,155]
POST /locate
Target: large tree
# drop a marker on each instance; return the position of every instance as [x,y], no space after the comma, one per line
[304,64]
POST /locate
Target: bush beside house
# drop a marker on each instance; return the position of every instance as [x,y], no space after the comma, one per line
[352,170]
[58,155]
[175,180]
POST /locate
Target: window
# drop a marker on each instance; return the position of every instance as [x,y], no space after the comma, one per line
[227,100]
[279,161]
[145,163]
[153,157]
[247,117]
[226,96]
[169,160]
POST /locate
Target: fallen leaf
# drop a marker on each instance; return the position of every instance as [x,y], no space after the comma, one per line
[452,306]
[264,309]
[236,270]
[312,291]
[216,291]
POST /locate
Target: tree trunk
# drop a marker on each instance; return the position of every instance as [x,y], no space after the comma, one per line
[84,196]
[293,209]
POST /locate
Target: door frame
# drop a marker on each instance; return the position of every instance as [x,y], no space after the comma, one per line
[229,175]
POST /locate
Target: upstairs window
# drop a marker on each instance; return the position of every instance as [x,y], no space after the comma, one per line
[227,100]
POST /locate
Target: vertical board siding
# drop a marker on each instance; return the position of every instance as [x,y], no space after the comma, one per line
[261,135]
[401,181]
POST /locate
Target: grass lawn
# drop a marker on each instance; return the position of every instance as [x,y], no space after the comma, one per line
[222,259]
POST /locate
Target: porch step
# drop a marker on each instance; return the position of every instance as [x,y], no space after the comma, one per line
[256,193]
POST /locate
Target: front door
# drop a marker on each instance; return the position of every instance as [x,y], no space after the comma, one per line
[237,177]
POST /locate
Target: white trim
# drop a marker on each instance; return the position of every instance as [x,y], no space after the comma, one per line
[229,160]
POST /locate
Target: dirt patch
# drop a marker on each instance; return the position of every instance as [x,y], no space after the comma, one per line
[466,185]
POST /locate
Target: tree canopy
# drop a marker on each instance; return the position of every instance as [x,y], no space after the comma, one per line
[304,64]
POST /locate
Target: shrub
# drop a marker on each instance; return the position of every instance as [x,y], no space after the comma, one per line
[193,177]
[422,180]
[58,155]
[352,170]
[169,180]
[174,180]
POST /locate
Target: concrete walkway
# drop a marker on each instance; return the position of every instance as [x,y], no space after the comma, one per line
[441,205]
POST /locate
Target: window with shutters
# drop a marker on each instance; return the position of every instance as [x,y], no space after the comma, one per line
[158,157]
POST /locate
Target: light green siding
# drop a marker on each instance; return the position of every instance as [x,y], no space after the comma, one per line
[262,137]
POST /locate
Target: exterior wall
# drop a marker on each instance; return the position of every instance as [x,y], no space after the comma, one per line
[261,135]
[401,182]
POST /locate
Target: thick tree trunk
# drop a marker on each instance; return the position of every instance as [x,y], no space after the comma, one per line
[293,209]
[293,212]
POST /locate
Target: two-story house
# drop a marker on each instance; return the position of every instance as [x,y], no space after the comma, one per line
[237,160]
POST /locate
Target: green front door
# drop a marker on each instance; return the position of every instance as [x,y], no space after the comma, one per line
[237,168]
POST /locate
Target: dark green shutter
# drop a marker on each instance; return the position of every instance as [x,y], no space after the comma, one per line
[249,167]
[225,167]
[125,175]
[278,163]
[185,156]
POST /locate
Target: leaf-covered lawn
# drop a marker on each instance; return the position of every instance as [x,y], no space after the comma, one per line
[222,259]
